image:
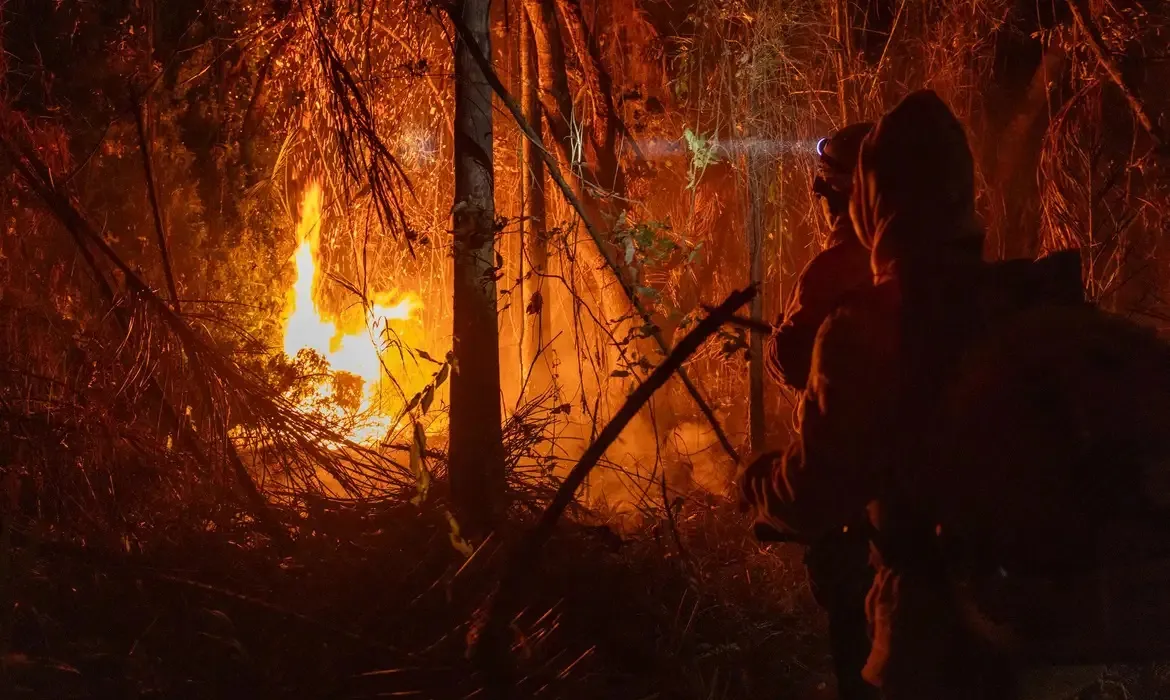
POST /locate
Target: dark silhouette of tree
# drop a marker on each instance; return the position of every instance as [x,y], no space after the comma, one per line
[477,453]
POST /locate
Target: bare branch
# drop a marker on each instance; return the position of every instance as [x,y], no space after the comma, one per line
[1097,44]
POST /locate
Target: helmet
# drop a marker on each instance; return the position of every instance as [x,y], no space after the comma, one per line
[839,152]
[838,157]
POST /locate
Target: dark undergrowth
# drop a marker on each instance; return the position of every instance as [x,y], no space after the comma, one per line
[377,604]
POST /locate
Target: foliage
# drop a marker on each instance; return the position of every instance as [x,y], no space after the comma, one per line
[704,153]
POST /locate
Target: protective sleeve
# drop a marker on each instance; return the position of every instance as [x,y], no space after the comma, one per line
[819,289]
[829,475]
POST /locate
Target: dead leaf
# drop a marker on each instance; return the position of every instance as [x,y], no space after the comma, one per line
[535,304]
[428,398]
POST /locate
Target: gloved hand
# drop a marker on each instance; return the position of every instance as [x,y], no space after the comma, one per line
[754,487]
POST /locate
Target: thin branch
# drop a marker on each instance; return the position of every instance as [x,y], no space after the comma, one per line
[673,363]
[152,194]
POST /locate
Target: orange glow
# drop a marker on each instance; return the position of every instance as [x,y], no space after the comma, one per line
[351,343]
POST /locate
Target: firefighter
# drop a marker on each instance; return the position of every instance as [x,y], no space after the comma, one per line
[1006,439]
[838,562]
[876,370]
[841,268]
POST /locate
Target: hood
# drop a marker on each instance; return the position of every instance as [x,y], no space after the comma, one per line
[914,189]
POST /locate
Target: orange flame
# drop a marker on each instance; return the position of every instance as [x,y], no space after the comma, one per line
[347,344]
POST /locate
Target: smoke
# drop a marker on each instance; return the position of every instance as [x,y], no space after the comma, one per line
[661,149]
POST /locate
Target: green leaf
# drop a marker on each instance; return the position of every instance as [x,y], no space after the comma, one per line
[423,354]
[442,375]
[619,373]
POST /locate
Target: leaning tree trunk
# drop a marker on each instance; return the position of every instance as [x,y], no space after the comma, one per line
[537,333]
[476,456]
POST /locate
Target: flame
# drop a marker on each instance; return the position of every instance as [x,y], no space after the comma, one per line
[348,342]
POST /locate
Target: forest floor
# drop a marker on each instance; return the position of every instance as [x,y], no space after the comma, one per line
[378,604]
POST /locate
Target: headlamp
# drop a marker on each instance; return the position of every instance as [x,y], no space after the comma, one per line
[821,145]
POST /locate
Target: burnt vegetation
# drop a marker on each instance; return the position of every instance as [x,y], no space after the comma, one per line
[527,216]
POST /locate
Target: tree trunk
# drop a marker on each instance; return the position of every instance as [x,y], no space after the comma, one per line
[755,248]
[1018,155]
[581,162]
[537,332]
[476,457]
[841,57]
[755,231]
[600,87]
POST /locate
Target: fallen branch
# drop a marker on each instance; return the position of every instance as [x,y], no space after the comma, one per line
[555,172]
[1097,44]
[489,636]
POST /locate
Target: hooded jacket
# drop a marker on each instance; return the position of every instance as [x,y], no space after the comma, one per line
[924,248]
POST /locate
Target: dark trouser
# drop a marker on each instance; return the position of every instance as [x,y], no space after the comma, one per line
[840,576]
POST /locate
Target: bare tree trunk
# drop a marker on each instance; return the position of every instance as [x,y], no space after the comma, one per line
[537,333]
[1018,151]
[842,33]
[476,457]
[755,248]
[587,169]
[755,231]
[600,86]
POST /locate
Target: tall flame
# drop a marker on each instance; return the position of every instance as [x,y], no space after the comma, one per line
[346,343]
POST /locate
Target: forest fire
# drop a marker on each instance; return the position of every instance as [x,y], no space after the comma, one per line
[567,348]
[351,343]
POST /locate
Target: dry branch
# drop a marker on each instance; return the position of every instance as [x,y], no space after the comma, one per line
[1097,44]
[674,361]
[152,194]
[594,233]
[488,640]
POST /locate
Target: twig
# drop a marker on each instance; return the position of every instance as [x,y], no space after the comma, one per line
[1097,44]
[490,644]
[555,172]
[152,194]
[743,321]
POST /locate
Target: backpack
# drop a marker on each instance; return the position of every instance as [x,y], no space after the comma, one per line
[1055,436]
